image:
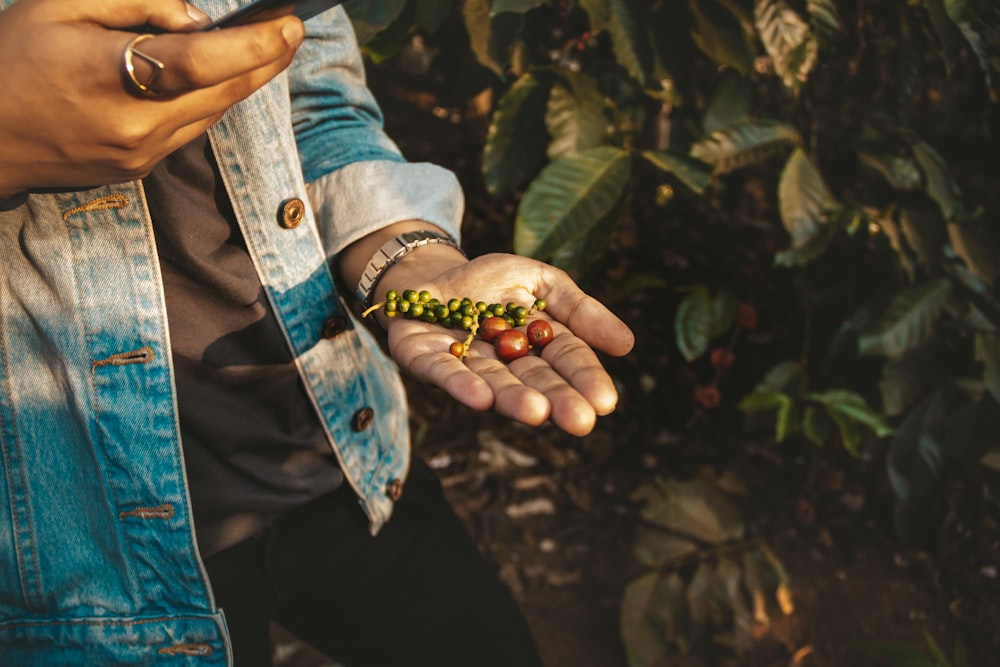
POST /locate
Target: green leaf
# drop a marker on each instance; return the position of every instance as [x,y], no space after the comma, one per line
[490,37]
[785,376]
[816,425]
[642,639]
[814,248]
[731,577]
[939,183]
[853,406]
[824,18]
[720,37]
[940,659]
[899,171]
[850,432]
[516,139]
[707,603]
[582,255]
[804,199]
[787,39]
[730,103]
[694,508]
[748,143]
[948,34]
[786,416]
[576,116]
[693,173]
[668,610]
[916,453]
[624,22]
[979,23]
[701,316]
[979,249]
[909,320]
[629,39]
[961,654]
[569,197]
[516,6]
[656,548]
[908,377]
[757,401]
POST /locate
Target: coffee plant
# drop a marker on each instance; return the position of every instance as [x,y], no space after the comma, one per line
[858,138]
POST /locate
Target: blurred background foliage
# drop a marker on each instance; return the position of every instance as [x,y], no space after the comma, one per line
[801,201]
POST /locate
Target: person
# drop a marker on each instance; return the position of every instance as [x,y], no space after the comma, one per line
[198,437]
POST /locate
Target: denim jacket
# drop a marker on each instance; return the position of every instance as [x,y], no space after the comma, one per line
[98,560]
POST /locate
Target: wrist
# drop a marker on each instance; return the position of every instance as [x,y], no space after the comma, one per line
[406,251]
[416,268]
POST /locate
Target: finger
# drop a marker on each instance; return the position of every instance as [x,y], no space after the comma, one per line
[165,15]
[587,317]
[513,398]
[577,364]
[570,410]
[241,57]
[425,356]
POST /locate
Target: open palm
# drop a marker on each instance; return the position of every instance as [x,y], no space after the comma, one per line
[566,382]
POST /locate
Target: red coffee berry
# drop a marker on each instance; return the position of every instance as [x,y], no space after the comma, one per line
[708,397]
[539,333]
[511,344]
[722,358]
[492,327]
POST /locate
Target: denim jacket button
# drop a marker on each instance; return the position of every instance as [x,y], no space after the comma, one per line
[394,489]
[293,211]
[362,419]
[334,326]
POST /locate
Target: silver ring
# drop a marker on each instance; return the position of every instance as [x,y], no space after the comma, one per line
[135,86]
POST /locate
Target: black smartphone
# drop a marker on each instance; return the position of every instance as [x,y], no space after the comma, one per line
[262,10]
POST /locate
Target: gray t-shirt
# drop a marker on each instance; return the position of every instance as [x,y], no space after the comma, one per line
[253,445]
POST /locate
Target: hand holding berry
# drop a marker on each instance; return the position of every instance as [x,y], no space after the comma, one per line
[565,382]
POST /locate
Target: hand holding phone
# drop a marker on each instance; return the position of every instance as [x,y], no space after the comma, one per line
[262,10]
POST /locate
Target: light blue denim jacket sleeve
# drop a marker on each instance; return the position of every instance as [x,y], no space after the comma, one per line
[98,560]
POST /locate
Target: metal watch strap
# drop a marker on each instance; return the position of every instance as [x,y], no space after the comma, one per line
[391,252]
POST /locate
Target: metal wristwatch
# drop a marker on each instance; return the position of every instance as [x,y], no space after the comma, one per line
[391,252]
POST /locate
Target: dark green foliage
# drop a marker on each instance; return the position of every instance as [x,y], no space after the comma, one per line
[858,140]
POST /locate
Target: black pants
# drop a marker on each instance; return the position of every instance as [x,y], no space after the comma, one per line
[419,593]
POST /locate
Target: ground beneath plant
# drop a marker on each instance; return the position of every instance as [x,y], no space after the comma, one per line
[556,513]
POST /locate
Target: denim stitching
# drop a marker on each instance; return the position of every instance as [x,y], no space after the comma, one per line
[196,649]
[143,355]
[116,200]
[32,594]
[164,511]
[100,203]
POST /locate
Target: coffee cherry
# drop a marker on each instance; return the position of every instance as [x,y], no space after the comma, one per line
[492,327]
[511,344]
[539,333]
[504,325]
